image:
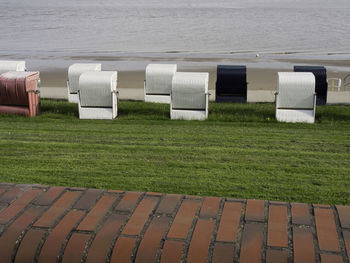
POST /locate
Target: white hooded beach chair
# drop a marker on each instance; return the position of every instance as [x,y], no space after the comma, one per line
[295,97]
[74,72]
[189,96]
[98,96]
[158,81]
[12,65]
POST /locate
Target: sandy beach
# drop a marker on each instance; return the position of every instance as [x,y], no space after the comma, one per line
[261,75]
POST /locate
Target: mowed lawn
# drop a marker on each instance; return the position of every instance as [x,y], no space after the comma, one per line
[240,151]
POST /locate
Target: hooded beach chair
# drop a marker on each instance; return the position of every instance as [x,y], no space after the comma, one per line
[19,93]
[98,96]
[231,84]
[74,72]
[321,88]
[158,81]
[189,96]
[12,65]
[295,97]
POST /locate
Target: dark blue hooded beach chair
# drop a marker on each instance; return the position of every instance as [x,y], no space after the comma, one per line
[231,84]
[320,73]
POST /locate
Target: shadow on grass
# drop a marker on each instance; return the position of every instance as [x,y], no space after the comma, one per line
[143,110]
[58,109]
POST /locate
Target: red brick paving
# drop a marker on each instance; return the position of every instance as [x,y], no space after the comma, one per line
[300,214]
[277,227]
[75,248]
[172,251]
[57,224]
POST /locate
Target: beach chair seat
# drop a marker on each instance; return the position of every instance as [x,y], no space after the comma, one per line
[295,97]
[12,65]
[189,96]
[98,96]
[321,87]
[231,84]
[19,93]
[157,86]
[74,72]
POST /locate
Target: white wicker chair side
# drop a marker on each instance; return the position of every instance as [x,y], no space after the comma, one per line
[295,98]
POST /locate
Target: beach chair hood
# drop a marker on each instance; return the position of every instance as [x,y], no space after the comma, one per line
[95,88]
[189,90]
[74,72]
[8,65]
[295,90]
[159,78]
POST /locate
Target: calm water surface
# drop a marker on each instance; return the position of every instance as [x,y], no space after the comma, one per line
[47,30]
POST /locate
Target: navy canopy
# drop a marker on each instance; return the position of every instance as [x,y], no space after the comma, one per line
[231,83]
[321,88]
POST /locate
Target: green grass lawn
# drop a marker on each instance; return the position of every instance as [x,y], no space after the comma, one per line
[240,151]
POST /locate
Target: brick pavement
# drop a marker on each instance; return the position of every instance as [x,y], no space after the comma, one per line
[49,224]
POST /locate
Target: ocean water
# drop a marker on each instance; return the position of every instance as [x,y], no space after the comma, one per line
[51,30]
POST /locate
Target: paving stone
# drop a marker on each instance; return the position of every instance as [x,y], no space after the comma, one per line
[151,240]
[277,226]
[183,219]
[276,256]
[210,207]
[49,196]
[140,216]
[51,248]
[49,218]
[251,243]
[13,209]
[128,202]
[168,204]
[344,215]
[321,206]
[12,194]
[90,222]
[303,243]
[154,194]
[223,253]
[277,203]
[255,210]
[30,242]
[100,245]
[75,248]
[199,246]
[88,199]
[9,237]
[327,258]
[116,191]
[122,251]
[346,234]
[326,230]
[229,222]
[3,206]
[172,251]
[300,214]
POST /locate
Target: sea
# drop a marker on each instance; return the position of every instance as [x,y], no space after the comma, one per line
[54,33]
